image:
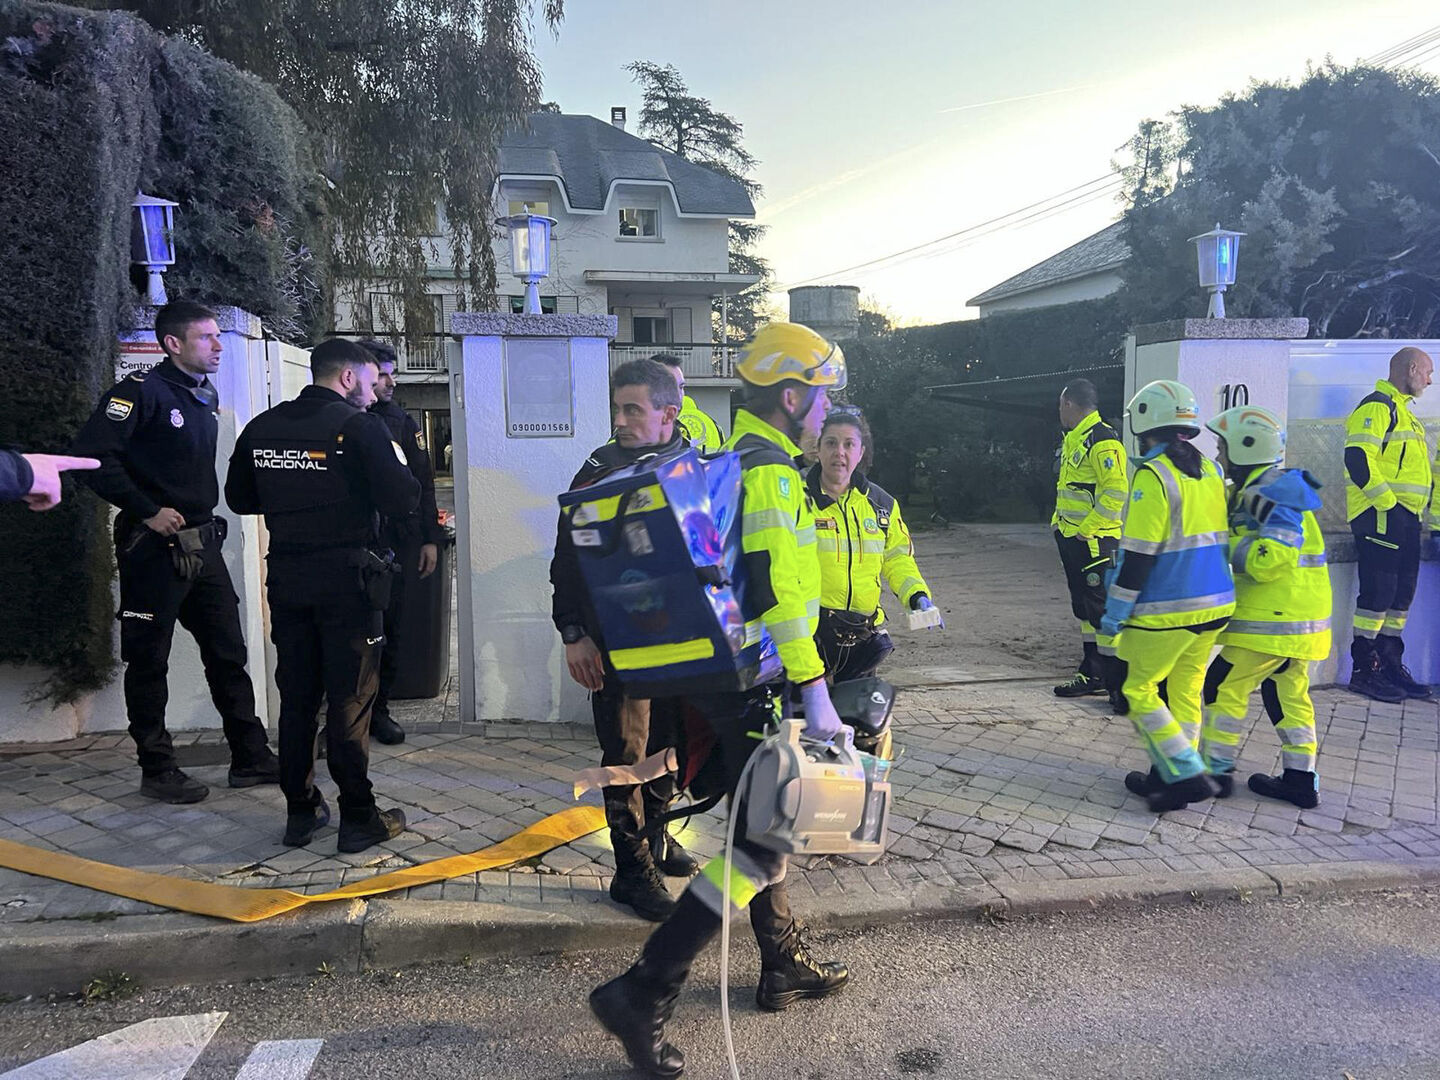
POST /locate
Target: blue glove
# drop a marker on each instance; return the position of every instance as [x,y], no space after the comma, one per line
[1116,612]
[822,722]
[921,602]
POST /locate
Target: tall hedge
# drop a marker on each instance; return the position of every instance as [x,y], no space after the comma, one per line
[98,106]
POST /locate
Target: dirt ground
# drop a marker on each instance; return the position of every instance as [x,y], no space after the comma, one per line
[1007,612]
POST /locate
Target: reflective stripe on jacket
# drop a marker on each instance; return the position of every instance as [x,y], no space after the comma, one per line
[777,530]
[1092,487]
[1183,523]
[861,537]
[1398,454]
[697,428]
[1282,585]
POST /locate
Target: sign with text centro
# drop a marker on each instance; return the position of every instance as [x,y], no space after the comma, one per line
[138,351]
[539,388]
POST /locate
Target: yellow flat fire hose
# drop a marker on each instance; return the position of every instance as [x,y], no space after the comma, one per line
[240,904]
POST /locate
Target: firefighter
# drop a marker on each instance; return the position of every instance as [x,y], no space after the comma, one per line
[788,371]
[1387,485]
[1090,498]
[1282,608]
[1172,592]
[861,538]
[698,429]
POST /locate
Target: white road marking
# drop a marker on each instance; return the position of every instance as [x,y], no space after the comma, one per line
[287,1059]
[159,1049]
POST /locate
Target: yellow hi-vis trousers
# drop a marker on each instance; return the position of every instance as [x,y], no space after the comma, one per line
[1178,657]
[1225,717]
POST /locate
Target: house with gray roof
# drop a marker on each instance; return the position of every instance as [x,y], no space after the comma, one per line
[640,234]
[1086,270]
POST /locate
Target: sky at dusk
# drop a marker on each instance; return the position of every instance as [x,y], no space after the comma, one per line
[883,127]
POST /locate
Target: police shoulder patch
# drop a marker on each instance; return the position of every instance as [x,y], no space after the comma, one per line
[118,408]
[420,440]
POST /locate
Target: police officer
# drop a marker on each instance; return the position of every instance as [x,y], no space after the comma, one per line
[788,370]
[646,403]
[1387,485]
[154,434]
[415,539]
[1091,493]
[699,430]
[322,471]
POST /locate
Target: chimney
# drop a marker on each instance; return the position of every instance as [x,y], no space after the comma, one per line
[617,116]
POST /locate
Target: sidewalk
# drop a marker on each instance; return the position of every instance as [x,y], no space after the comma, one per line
[1009,801]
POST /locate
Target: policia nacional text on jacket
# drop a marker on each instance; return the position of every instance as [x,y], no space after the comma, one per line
[155,435]
[321,470]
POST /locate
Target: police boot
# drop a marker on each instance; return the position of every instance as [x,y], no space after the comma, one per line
[1367,677]
[1181,794]
[301,826]
[384,729]
[379,826]
[1293,786]
[787,970]
[637,882]
[635,1006]
[1390,652]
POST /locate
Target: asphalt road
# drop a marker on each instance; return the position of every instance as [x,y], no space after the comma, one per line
[1280,990]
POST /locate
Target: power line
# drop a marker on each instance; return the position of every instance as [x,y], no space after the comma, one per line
[1108,180]
[1396,54]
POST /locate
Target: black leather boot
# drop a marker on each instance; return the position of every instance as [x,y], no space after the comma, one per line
[1181,794]
[1367,675]
[1142,783]
[637,883]
[1293,786]
[787,970]
[1390,651]
[635,1006]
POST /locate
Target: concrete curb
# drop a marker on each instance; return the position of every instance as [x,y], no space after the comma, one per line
[60,957]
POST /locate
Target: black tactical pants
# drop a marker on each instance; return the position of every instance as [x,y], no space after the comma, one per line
[327,640]
[407,555]
[1387,548]
[153,597]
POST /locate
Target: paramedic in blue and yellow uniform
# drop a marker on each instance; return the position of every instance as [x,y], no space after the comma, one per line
[1172,592]
[789,371]
[1282,608]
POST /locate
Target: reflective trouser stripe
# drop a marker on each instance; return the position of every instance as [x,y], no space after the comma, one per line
[1394,623]
[1368,623]
[1220,739]
[1178,657]
[1296,726]
[746,880]
[1087,632]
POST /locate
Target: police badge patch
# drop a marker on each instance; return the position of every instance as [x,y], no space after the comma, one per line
[118,408]
[176,419]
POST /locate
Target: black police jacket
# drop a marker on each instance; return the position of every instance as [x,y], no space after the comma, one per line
[154,433]
[570,603]
[320,470]
[423,526]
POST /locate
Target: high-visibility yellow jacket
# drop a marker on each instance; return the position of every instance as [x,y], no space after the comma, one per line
[1282,587]
[1092,486]
[777,536]
[1435,498]
[1183,523]
[862,537]
[1396,452]
[698,429]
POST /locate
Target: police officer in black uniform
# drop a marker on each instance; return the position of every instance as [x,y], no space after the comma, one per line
[415,538]
[154,433]
[322,471]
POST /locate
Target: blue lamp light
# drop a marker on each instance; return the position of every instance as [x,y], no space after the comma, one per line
[152,242]
[1217,251]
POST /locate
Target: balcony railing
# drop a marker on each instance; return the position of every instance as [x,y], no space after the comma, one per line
[699,360]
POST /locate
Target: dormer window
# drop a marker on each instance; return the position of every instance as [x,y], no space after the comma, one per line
[639,223]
